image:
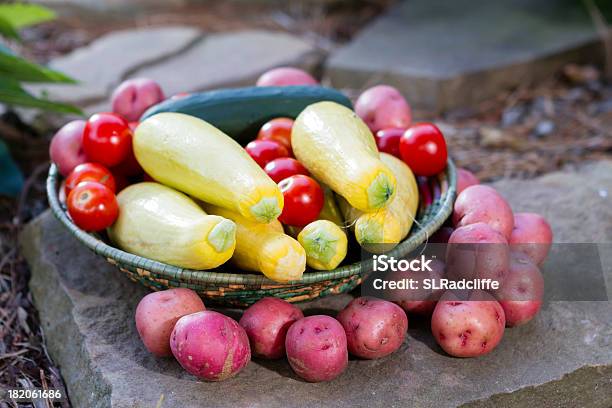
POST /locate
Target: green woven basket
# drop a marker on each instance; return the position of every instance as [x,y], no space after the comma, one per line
[241,288]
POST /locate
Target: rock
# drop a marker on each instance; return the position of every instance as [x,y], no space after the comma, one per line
[231,59]
[562,358]
[104,63]
[450,54]
[578,204]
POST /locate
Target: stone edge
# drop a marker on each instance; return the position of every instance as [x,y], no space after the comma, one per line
[86,385]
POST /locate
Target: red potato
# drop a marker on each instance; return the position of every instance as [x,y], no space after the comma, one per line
[383,107]
[468,328]
[66,149]
[316,348]
[483,204]
[157,314]
[532,235]
[465,179]
[477,251]
[423,301]
[285,76]
[522,291]
[134,96]
[210,345]
[374,327]
[266,323]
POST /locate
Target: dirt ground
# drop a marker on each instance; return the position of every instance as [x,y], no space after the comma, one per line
[534,129]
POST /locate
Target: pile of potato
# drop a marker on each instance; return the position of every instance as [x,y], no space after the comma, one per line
[215,347]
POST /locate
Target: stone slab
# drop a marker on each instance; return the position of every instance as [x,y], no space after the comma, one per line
[231,59]
[105,62]
[563,358]
[448,54]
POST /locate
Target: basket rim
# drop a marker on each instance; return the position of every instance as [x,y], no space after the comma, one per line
[165,271]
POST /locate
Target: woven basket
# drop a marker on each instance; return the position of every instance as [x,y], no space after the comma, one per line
[242,289]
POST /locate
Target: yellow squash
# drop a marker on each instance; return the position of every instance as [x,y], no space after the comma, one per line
[338,149]
[165,225]
[325,244]
[382,230]
[193,156]
[264,248]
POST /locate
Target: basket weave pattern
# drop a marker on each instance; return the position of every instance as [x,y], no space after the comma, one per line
[242,289]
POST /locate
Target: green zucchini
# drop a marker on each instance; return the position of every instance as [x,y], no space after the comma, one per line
[241,112]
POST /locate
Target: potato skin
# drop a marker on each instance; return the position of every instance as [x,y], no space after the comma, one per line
[382,107]
[266,323]
[522,291]
[374,327]
[486,255]
[286,76]
[158,312]
[66,148]
[316,348]
[468,328]
[134,96]
[465,179]
[481,203]
[532,235]
[422,301]
[210,345]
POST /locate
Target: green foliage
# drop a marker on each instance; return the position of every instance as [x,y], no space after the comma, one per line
[13,71]
[21,15]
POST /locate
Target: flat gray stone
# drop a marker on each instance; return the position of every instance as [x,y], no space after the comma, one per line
[562,358]
[104,63]
[231,59]
[448,54]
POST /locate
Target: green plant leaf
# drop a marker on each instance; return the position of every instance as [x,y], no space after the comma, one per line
[21,15]
[15,67]
[11,181]
[11,93]
[7,29]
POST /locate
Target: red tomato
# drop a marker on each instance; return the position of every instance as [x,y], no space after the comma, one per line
[92,206]
[264,151]
[388,140]
[90,172]
[107,139]
[423,149]
[283,167]
[303,200]
[279,130]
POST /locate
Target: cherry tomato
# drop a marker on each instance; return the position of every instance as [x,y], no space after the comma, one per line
[423,149]
[107,139]
[303,200]
[279,130]
[264,151]
[90,172]
[388,140]
[92,206]
[283,167]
